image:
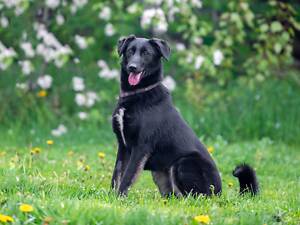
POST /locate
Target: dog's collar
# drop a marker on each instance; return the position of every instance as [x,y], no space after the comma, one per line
[124,94]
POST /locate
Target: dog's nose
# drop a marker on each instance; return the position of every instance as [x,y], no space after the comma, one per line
[132,68]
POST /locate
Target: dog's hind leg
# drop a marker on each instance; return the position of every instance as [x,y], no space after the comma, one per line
[196,176]
[162,181]
[165,181]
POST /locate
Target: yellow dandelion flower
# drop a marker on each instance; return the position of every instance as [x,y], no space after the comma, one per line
[50,142]
[35,151]
[101,155]
[2,154]
[26,208]
[202,219]
[70,153]
[230,184]
[5,218]
[87,168]
[42,94]
[210,149]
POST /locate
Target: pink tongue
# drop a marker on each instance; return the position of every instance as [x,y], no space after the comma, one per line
[134,78]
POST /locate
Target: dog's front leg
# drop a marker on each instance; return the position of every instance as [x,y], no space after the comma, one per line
[120,166]
[138,159]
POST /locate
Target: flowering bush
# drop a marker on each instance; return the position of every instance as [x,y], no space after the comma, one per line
[66,50]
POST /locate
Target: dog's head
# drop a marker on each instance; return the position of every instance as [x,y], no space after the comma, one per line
[141,60]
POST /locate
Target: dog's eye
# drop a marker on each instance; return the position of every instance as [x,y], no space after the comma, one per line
[130,52]
[145,52]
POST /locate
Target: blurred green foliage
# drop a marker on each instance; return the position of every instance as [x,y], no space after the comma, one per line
[224,55]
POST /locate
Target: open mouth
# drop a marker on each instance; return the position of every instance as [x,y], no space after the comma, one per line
[134,78]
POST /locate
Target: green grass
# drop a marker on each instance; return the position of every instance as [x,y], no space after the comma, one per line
[56,185]
[255,124]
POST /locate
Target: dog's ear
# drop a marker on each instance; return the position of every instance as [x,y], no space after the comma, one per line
[162,47]
[123,43]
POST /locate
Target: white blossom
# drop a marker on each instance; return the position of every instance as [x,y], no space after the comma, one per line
[91,98]
[108,74]
[17,5]
[82,115]
[76,60]
[80,99]
[4,22]
[198,40]
[190,57]
[161,27]
[218,57]
[105,72]
[155,2]
[28,49]
[80,3]
[11,3]
[147,16]
[19,10]
[60,130]
[47,37]
[196,3]
[132,8]
[105,13]
[199,61]
[88,99]
[77,4]
[26,66]
[109,30]
[60,20]
[50,48]
[61,54]
[102,64]
[170,3]
[81,42]
[180,47]
[171,13]
[169,82]
[78,84]
[45,81]
[22,86]
[155,17]
[6,56]
[52,3]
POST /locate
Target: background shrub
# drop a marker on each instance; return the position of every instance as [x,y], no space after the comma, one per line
[231,62]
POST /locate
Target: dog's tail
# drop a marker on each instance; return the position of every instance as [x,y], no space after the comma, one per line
[247,179]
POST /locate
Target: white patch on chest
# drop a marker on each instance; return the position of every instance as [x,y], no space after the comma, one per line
[120,119]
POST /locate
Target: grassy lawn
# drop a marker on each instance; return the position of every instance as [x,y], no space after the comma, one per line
[68,183]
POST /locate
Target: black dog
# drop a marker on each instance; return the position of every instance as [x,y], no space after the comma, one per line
[153,136]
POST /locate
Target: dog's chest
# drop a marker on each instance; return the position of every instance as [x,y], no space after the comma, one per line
[124,125]
[118,123]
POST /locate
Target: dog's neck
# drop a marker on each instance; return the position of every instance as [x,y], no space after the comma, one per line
[124,94]
[146,84]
